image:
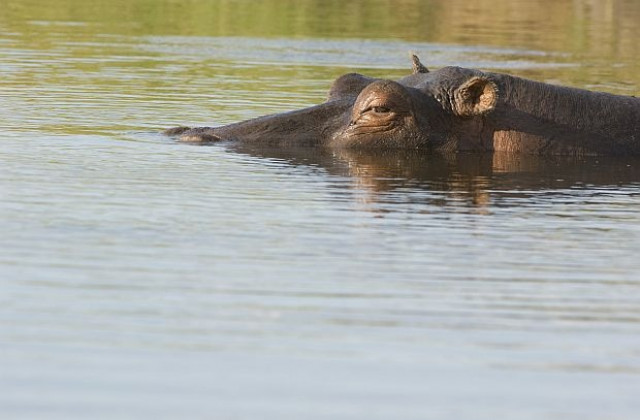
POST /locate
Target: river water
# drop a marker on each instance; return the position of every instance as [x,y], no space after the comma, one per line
[141,278]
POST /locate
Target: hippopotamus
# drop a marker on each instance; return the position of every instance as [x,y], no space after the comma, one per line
[452,109]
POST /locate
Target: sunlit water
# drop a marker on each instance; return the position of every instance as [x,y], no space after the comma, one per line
[142,278]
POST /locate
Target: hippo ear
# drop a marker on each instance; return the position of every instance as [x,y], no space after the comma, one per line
[476,96]
[348,85]
[418,67]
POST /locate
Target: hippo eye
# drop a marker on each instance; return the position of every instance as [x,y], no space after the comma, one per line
[378,109]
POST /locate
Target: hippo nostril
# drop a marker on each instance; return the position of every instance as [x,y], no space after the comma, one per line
[175,131]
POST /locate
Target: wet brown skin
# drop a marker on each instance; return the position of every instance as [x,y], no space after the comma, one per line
[448,110]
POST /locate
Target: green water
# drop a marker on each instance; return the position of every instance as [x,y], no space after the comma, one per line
[142,278]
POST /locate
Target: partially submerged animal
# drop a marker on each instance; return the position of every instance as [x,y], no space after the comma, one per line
[450,109]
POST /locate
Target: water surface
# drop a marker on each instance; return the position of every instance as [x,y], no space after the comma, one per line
[144,278]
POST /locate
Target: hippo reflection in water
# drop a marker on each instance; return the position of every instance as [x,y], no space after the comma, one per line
[447,110]
[456,179]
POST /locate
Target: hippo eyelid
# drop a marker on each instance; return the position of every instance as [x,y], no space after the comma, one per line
[378,109]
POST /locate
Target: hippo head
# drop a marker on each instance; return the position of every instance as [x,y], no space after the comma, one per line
[426,110]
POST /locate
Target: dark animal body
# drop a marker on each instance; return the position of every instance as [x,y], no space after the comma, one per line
[448,110]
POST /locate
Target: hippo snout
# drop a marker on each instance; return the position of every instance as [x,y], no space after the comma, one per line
[175,131]
[193,135]
[199,138]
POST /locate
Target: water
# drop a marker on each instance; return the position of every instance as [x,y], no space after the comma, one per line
[142,278]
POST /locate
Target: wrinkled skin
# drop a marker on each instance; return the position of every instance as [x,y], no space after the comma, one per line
[448,110]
